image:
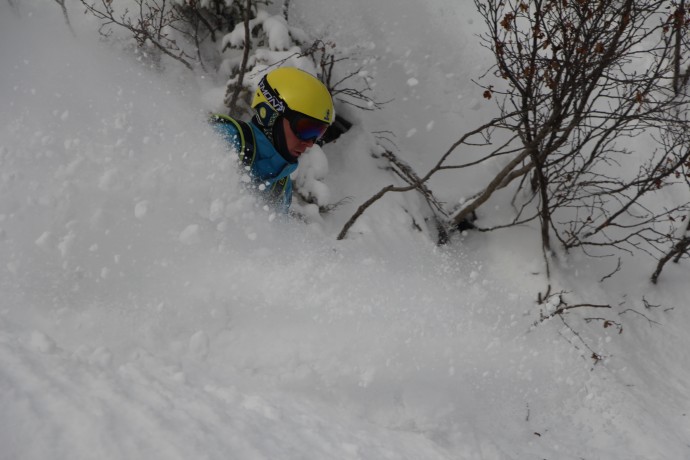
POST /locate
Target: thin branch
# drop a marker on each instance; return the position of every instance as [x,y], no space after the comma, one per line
[363,207]
[232,105]
[64,14]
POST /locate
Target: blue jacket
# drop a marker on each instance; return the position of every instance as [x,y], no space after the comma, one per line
[270,172]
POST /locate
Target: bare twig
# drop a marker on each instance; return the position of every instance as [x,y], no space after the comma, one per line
[64,14]
[148,26]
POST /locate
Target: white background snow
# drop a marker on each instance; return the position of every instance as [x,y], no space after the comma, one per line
[149,310]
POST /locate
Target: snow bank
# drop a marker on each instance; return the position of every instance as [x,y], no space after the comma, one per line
[150,309]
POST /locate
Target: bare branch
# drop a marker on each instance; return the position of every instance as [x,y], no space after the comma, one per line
[239,84]
[64,14]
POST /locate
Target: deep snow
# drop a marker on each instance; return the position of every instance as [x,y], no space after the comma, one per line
[150,309]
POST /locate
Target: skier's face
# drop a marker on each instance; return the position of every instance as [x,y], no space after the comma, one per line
[295,145]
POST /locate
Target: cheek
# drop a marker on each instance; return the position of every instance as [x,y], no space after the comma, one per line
[291,141]
[289,136]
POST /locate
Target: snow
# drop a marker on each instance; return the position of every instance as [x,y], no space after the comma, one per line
[151,309]
[276,30]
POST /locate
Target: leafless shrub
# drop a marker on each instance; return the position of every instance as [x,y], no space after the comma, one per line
[167,27]
[584,87]
[351,86]
[586,79]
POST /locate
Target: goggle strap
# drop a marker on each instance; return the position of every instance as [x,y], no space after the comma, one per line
[272,96]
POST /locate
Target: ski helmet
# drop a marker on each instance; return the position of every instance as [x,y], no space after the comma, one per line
[288,90]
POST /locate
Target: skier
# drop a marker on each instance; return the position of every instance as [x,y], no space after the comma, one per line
[292,110]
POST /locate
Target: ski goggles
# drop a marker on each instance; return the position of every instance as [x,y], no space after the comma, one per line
[306,129]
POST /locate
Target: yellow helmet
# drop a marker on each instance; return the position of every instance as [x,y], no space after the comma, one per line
[288,89]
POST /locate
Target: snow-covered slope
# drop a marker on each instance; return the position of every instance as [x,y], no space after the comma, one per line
[150,310]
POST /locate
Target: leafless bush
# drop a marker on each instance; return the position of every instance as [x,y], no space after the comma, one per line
[586,80]
[173,28]
[584,87]
[351,86]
